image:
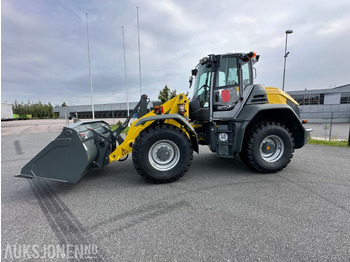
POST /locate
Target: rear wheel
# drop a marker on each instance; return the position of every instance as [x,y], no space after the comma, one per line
[162,154]
[268,147]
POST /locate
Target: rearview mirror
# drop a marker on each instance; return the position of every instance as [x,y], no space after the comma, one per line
[190,81]
[255,74]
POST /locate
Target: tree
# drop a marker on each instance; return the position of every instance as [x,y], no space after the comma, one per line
[64,104]
[37,110]
[166,94]
[172,94]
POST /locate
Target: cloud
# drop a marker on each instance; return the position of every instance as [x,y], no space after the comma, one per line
[44,45]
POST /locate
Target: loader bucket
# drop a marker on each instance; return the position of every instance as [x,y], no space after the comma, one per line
[80,147]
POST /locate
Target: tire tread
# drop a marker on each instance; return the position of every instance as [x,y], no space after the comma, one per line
[247,155]
[140,141]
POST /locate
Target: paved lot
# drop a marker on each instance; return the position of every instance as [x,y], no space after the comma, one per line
[219,211]
[38,126]
[320,130]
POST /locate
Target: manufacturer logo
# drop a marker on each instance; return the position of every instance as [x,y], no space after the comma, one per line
[223,137]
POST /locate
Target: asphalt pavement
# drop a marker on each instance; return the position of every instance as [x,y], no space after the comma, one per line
[219,211]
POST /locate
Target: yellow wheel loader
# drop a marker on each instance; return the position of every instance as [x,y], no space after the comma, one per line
[227,112]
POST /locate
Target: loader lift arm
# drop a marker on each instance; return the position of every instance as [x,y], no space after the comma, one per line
[140,110]
[167,113]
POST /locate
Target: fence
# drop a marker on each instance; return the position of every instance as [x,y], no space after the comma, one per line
[338,113]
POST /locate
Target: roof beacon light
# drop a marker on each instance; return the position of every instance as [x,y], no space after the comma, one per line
[251,54]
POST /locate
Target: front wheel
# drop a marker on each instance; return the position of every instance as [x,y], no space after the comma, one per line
[268,147]
[162,154]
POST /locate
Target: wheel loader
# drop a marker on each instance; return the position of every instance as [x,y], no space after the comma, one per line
[227,112]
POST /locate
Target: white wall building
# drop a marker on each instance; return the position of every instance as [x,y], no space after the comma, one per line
[6,111]
[320,105]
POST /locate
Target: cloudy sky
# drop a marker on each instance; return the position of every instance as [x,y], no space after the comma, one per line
[44,53]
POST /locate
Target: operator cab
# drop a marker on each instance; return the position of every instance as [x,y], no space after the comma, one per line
[220,80]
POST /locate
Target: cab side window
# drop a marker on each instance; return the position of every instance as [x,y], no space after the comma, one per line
[246,75]
[226,91]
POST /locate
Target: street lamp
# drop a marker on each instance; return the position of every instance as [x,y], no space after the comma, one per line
[285,57]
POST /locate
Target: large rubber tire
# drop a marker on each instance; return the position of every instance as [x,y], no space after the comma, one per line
[162,153]
[268,147]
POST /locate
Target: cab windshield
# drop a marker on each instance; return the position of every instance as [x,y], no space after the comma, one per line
[201,84]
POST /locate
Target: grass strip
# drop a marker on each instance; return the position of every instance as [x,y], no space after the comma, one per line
[114,127]
[329,143]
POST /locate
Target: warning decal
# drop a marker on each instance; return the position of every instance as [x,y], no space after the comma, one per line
[225,95]
[124,151]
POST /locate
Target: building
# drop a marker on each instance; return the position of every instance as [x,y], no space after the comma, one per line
[114,110]
[6,111]
[323,105]
[317,105]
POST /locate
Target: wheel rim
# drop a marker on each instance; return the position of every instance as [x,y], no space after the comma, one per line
[272,148]
[164,155]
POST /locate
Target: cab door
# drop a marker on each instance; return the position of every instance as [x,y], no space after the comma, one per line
[231,80]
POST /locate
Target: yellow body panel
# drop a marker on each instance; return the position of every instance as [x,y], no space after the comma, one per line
[277,96]
[169,107]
